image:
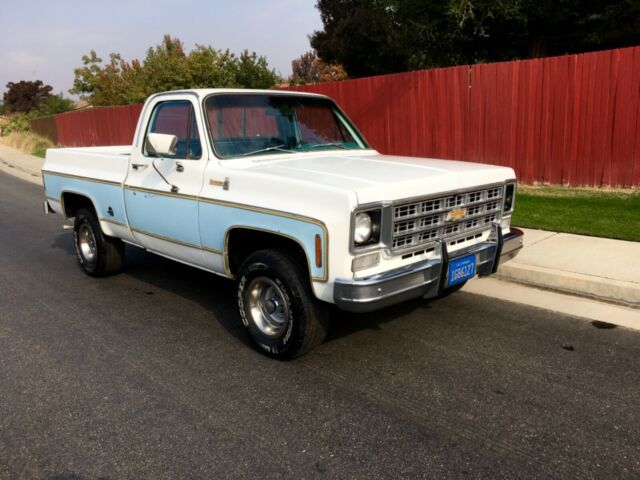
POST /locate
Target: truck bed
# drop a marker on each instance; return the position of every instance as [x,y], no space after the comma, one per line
[98,163]
[96,173]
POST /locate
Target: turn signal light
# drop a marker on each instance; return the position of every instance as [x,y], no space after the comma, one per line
[318,251]
[365,261]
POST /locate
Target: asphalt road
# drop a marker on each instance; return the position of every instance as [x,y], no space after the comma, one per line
[148,375]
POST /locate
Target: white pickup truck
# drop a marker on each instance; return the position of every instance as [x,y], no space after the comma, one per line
[280,192]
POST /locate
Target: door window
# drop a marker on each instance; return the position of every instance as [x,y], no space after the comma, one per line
[177,117]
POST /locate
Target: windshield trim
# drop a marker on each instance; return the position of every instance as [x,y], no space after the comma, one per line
[350,125]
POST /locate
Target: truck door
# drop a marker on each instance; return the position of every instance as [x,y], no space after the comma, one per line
[161,191]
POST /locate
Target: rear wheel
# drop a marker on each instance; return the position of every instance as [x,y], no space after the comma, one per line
[277,306]
[98,254]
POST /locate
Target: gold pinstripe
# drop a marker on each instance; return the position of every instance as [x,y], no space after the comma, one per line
[173,240]
[79,177]
[214,202]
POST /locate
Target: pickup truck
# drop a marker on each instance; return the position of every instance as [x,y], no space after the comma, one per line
[281,193]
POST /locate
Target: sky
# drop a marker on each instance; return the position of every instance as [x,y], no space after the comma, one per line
[45,40]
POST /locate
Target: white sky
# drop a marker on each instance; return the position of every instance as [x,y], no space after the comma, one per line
[45,40]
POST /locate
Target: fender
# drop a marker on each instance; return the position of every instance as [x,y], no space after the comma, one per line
[225,253]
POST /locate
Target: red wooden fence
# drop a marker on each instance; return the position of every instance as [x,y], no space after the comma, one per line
[562,120]
[571,120]
[98,126]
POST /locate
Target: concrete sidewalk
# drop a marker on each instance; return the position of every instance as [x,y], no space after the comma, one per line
[598,268]
[22,165]
[594,267]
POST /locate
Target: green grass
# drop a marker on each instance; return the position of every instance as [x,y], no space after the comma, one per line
[600,213]
[40,153]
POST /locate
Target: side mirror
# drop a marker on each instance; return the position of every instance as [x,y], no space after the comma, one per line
[161,144]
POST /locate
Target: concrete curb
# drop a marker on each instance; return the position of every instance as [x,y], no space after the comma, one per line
[594,267]
[599,288]
[578,306]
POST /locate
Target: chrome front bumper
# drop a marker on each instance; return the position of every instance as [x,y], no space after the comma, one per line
[423,279]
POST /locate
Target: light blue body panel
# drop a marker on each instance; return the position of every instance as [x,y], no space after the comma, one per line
[187,221]
[167,216]
[103,195]
[216,219]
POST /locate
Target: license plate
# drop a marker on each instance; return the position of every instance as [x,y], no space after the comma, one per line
[461,269]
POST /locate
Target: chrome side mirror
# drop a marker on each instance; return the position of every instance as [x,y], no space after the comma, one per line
[161,144]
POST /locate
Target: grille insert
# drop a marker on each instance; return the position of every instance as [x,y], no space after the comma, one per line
[453,218]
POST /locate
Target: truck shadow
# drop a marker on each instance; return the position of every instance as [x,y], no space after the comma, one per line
[216,295]
[344,324]
[158,275]
[64,242]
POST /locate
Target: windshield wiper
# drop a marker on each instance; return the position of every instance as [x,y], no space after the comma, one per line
[338,145]
[269,149]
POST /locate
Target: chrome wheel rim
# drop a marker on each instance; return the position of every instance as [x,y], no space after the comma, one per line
[267,306]
[87,243]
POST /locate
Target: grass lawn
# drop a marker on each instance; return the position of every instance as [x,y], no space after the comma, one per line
[601,213]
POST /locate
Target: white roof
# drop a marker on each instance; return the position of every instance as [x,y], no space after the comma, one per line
[203,92]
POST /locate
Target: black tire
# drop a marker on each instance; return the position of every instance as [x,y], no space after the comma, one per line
[305,320]
[448,291]
[97,254]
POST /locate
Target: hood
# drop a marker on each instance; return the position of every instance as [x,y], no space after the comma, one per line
[375,177]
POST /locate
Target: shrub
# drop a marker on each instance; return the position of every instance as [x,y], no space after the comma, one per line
[26,142]
[17,123]
[55,104]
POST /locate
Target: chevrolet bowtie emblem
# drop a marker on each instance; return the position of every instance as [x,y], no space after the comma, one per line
[456,214]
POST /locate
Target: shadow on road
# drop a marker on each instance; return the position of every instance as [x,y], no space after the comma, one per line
[347,323]
[217,295]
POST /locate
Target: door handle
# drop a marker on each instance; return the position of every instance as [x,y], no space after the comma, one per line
[139,166]
[179,167]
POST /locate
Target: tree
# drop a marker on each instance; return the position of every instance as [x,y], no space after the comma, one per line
[209,66]
[309,68]
[25,95]
[372,37]
[360,35]
[115,83]
[165,67]
[168,66]
[253,71]
[55,104]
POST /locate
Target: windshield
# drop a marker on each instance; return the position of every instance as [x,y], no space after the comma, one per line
[255,124]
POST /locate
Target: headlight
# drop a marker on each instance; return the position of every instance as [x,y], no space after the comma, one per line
[363,228]
[366,228]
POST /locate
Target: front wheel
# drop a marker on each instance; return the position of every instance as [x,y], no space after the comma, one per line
[277,306]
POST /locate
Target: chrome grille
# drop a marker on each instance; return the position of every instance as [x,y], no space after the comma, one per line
[424,221]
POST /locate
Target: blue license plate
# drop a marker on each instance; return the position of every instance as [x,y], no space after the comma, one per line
[461,269]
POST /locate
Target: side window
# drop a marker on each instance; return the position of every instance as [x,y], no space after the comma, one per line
[177,117]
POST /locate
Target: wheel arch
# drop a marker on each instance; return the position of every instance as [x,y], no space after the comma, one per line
[240,241]
[72,201]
